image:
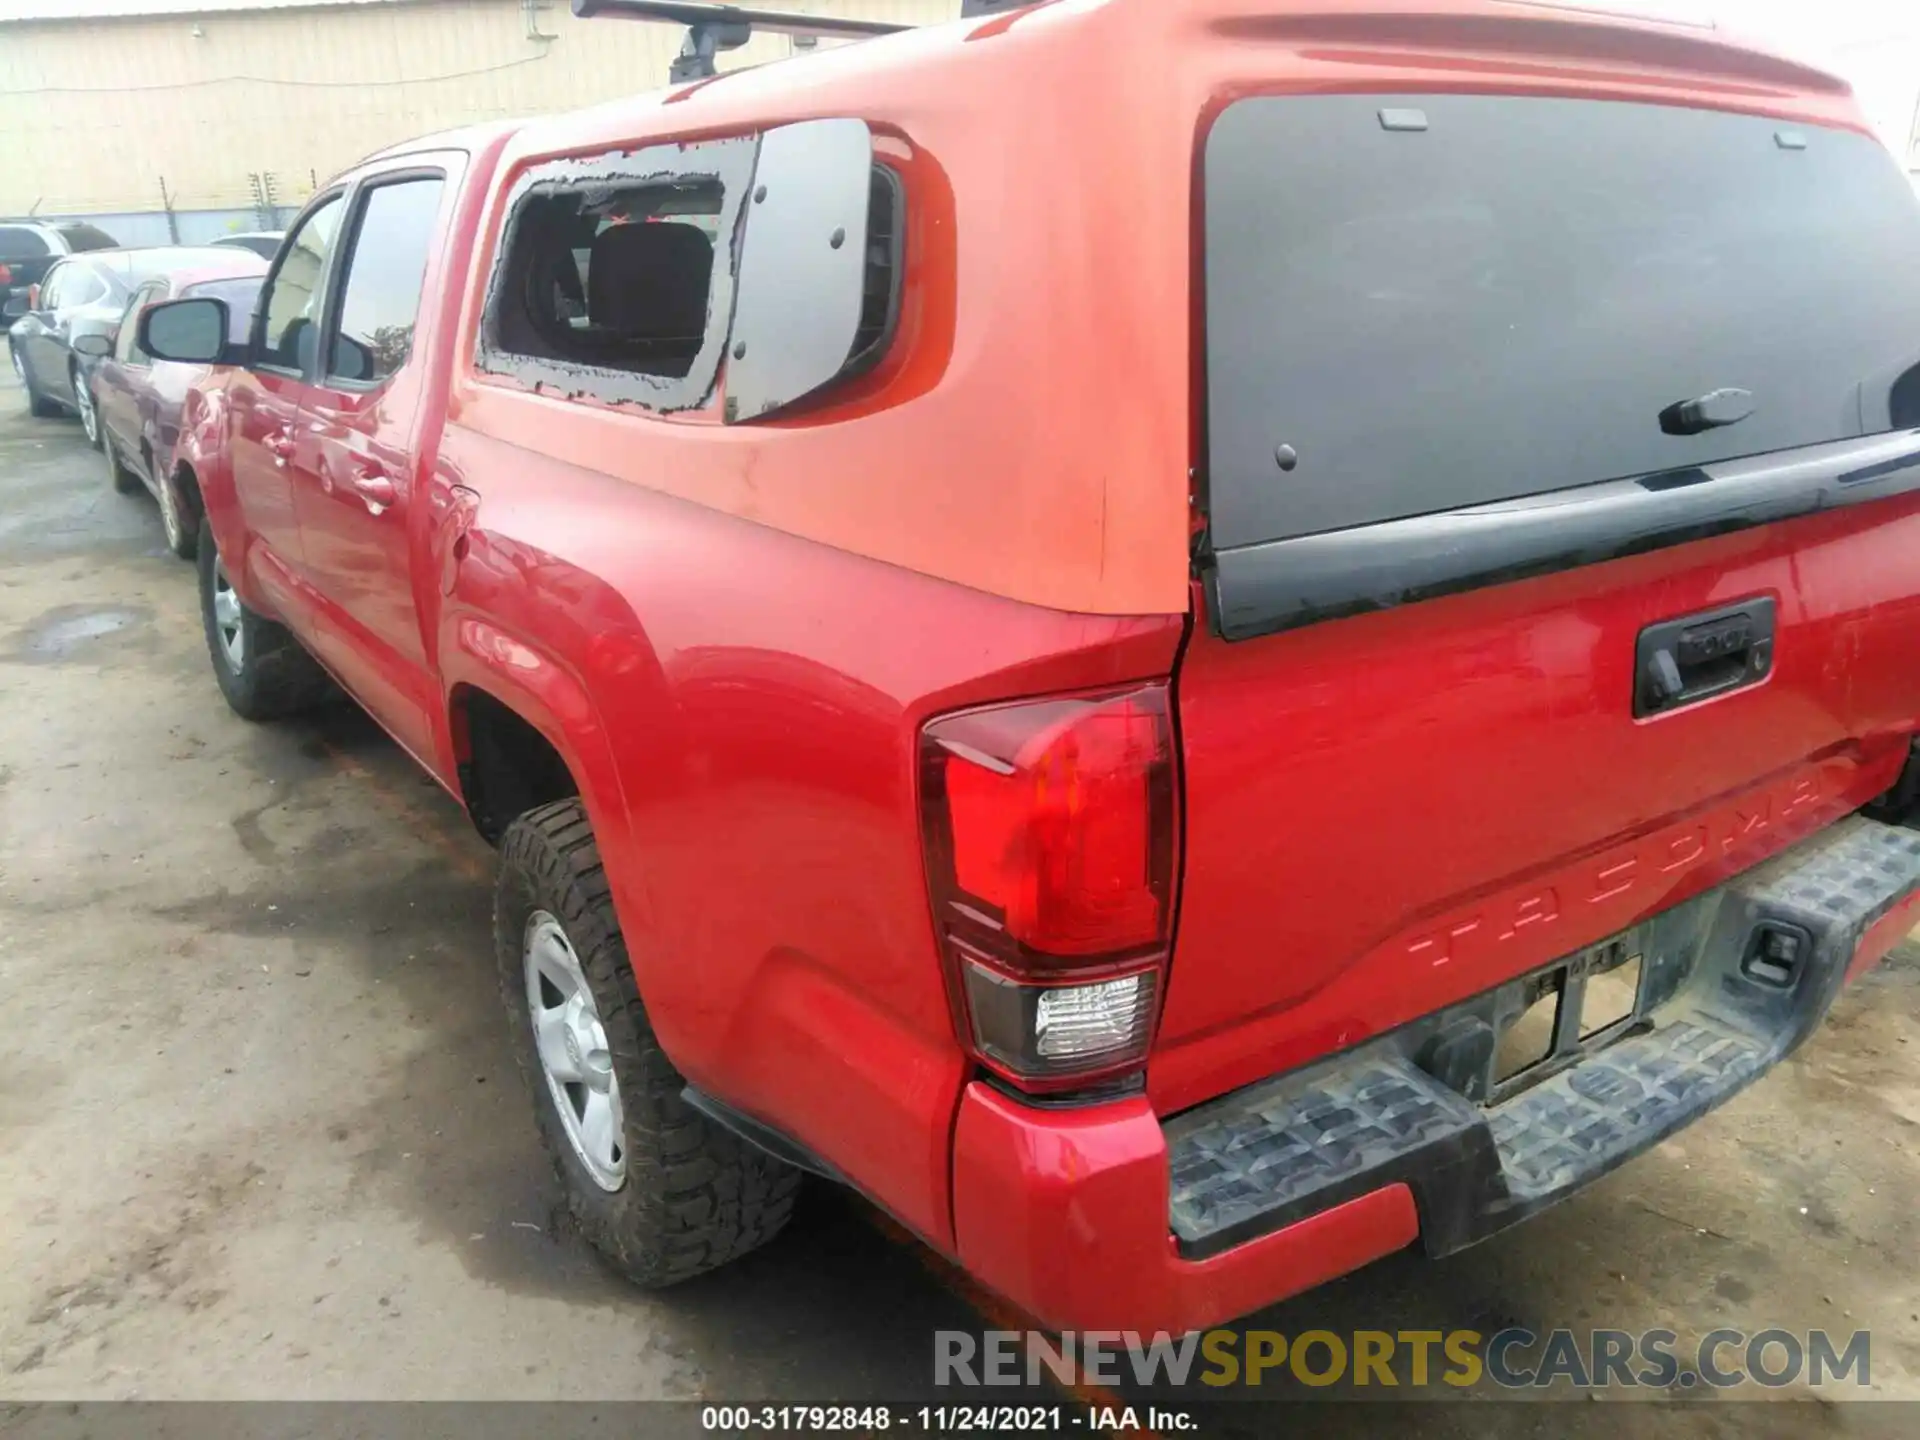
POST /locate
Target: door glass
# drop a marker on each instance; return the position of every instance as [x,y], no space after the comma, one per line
[398,223]
[126,347]
[51,286]
[292,300]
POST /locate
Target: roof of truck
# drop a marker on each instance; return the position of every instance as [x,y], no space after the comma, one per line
[1311,29]
[470,138]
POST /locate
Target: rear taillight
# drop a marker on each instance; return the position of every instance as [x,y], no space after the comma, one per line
[6,276]
[1049,833]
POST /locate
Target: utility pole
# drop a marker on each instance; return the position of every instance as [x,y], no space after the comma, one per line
[166,204]
[263,185]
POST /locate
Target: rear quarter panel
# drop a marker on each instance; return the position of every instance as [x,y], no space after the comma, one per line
[742,708]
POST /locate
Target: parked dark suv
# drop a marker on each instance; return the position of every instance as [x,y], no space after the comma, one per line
[28,250]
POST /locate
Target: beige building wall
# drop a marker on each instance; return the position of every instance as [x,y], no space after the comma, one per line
[97,114]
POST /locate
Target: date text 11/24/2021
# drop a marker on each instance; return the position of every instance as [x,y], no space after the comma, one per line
[944,1419]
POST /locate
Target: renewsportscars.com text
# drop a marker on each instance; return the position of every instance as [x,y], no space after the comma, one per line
[1514,1358]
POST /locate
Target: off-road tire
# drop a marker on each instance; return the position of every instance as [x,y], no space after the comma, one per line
[695,1195]
[275,677]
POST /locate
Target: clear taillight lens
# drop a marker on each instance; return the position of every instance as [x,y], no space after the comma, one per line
[1049,832]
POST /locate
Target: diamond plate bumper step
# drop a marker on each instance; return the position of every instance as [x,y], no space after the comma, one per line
[1730,982]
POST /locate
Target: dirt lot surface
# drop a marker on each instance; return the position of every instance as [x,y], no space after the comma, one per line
[260,1134]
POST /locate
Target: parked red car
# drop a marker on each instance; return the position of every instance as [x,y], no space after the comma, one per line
[139,401]
[1189,642]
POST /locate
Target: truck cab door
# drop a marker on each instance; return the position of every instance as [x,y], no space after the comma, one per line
[265,403]
[357,461]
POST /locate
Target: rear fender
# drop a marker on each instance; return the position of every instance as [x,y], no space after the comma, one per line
[477,653]
[202,448]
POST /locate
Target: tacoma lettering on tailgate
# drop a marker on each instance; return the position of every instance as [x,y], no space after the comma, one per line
[1751,824]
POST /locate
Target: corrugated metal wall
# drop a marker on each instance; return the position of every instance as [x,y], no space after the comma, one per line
[97,116]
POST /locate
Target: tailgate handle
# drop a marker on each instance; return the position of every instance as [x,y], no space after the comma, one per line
[1679,662]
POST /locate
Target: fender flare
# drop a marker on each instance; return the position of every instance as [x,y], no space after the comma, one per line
[477,655]
[202,448]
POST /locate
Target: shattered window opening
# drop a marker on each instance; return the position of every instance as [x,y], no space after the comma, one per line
[616,275]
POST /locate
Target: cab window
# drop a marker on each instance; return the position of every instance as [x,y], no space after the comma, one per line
[386,265]
[618,276]
[290,308]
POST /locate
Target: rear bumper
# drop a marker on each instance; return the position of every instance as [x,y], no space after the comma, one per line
[1105,1218]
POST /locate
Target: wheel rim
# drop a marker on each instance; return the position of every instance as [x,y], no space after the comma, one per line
[227,617]
[83,394]
[169,516]
[572,1046]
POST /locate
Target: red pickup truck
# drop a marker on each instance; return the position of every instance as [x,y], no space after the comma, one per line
[1189,642]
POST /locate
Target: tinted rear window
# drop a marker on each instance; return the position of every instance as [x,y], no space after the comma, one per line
[18,243]
[1504,302]
[85,237]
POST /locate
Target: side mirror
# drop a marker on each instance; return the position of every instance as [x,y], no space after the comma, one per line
[97,347]
[191,332]
[16,305]
[351,359]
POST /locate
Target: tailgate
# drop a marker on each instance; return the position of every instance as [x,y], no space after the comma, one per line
[1507,399]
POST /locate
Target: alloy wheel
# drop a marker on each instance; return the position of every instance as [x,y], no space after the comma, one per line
[227,617]
[169,514]
[573,1051]
[83,399]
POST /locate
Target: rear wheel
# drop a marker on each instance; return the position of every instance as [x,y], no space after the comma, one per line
[37,404]
[182,537]
[260,667]
[83,403]
[124,481]
[658,1188]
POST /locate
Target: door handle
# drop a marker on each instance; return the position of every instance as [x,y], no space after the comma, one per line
[450,542]
[1697,656]
[279,444]
[374,488]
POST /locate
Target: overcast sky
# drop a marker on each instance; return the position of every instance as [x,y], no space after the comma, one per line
[1874,43]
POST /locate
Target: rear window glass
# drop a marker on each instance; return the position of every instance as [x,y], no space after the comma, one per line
[17,243]
[86,237]
[1424,302]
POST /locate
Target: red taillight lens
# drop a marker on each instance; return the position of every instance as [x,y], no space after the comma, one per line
[1049,829]
[6,276]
